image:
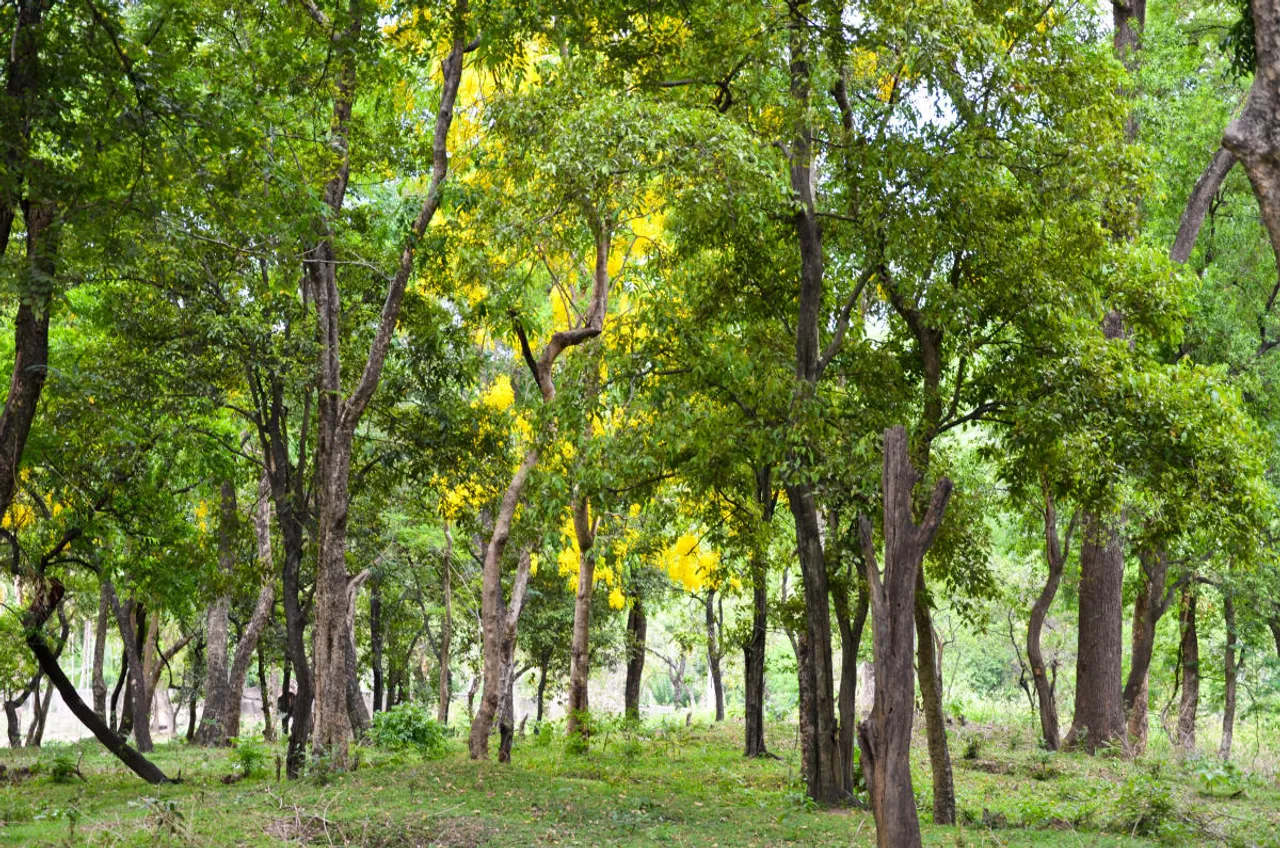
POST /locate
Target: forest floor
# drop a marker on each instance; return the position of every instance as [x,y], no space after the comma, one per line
[667,785]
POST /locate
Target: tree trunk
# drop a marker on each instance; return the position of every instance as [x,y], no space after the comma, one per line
[265,689]
[637,626]
[1230,675]
[804,702]
[930,673]
[35,735]
[885,737]
[375,640]
[542,688]
[851,627]
[1149,607]
[40,607]
[211,731]
[1099,708]
[121,678]
[1190,673]
[579,646]
[446,631]
[1056,554]
[356,709]
[713,653]
[99,655]
[136,698]
[753,662]
[504,649]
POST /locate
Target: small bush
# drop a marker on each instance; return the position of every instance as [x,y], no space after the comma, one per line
[407,726]
[1148,807]
[249,758]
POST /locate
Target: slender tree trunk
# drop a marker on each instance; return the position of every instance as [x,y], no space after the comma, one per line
[446,631]
[356,709]
[713,653]
[375,640]
[39,608]
[298,716]
[579,647]
[637,626]
[265,689]
[542,688]
[851,627]
[930,674]
[1099,708]
[35,734]
[115,693]
[885,737]
[1056,553]
[99,655]
[13,719]
[136,698]
[804,702]
[504,649]
[1149,607]
[1190,673]
[754,662]
[1230,674]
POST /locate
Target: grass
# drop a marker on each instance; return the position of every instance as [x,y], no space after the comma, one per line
[657,785]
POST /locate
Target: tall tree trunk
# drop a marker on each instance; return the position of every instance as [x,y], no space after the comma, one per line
[637,627]
[713,652]
[885,737]
[1149,607]
[35,735]
[265,689]
[121,679]
[804,701]
[504,649]
[13,719]
[136,698]
[217,693]
[754,649]
[446,631]
[99,655]
[375,640]
[1190,673]
[929,669]
[1230,674]
[1099,707]
[356,709]
[851,627]
[258,620]
[1056,553]
[542,687]
[579,646]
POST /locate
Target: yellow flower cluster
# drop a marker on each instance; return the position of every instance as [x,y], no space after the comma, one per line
[500,395]
[686,562]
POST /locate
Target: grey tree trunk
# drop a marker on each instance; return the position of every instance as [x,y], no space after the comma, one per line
[1190,702]
[99,655]
[637,627]
[217,693]
[885,736]
[446,631]
[1056,554]
[1099,708]
[1230,673]
[713,652]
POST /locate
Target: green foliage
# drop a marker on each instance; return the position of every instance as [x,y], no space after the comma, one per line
[249,758]
[407,726]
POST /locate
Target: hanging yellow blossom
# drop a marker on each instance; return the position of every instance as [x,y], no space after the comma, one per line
[616,599]
[500,395]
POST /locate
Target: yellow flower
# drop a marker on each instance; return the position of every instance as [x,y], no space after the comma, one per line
[500,395]
[616,598]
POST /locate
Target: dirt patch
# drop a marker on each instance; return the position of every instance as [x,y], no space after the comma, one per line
[987,766]
[456,832]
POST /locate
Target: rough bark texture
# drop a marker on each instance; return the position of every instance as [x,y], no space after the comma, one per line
[258,621]
[588,327]
[1254,136]
[217,693]
[1198,204]
[1190,702]
[340,415]
[1229,671]
[503,671]
[637,631]
[754,648]
[851,624]
[136,698]
[1056,553]
[356,709]
[584,528]
[885,737]
[1149,607]
[1099,706]
[375,640]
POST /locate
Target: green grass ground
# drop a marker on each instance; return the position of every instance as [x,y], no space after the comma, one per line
[658,786]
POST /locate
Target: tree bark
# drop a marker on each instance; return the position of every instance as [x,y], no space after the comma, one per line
[713,652]
[929,670]
[851,627]
[35,734]
[356,709]
[1099,707]
[265,688]
[542,688]
[755,647]
[1198,204]
[211,731]
[1149,607]
[446,630]
[40,607]
[1190,673]
[1230,674]
[885,737]
[129,634]
[503,671]
[637,627]
[99,655]
[1056,553]
[375,640]
[258,620]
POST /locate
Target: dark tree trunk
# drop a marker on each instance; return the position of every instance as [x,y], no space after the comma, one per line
[264,690]
[375,639]
[505,651]
[851,627]
[41,606]
[1099,708]
[507,718]
[1149,607]
[35,735]
[1229,669]
[929,670]
[1056,554]
[99,655]
[885,737]
[115,693]
[713,652]
[13,720]
[804,701]
[217,692]
[637,626]
[1190,673]
[298,716]
[136,696]
[755,647]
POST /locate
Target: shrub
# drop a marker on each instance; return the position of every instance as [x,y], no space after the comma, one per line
[249,758]
[407,726]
